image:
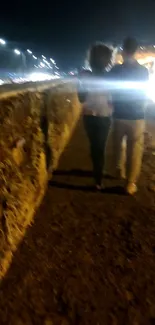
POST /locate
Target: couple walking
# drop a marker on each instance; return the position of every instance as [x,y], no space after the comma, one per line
[114,100]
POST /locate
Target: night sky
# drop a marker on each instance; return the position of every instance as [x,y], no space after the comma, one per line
[65,30]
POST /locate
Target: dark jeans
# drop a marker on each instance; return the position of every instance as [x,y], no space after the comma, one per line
[97,129]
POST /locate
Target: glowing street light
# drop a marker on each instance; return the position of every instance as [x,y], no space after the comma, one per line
[42,64]
[2,42]
[23,56]
[47,63]
[17,52]
[52,61]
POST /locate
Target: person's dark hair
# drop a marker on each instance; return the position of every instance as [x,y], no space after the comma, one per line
[99,56]
[130,45]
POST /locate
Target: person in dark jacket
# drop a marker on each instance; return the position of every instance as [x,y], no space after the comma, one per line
[97,109]
[129,99]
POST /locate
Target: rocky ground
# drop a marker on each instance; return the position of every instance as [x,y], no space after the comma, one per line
[89,258]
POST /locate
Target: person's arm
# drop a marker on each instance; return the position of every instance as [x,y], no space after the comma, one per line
[145,80]
[81,86]
[81,91]
[112,78]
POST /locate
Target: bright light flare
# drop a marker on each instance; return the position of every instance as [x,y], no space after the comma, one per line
[34,57]
[41,77]
[150,91]
[118,86]
[150,88]
[17,52]
[30,52]
[1,82]
[2,42]
[146,60]
[44,57]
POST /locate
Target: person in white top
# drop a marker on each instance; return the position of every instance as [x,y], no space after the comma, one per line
[97,108]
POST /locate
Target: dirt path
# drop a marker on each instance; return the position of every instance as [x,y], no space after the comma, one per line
[89,258]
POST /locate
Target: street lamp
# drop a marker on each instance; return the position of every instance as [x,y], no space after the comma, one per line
[17,52]
[24,56]
[2,42]
[52,61]
[42,64]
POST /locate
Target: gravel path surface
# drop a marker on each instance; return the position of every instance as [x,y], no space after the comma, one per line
[89,258]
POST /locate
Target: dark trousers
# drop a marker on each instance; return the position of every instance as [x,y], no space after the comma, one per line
[97,129]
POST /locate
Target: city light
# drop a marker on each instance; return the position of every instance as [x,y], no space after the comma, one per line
[47,63]
[42,64]
[17,52]
[52,61]
[41,77]
[2,42]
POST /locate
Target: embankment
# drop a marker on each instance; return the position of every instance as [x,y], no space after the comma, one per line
[36,122]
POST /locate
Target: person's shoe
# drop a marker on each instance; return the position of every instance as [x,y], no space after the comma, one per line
[131,188]
[99,187]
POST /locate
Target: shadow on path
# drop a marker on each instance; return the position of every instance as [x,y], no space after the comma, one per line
[79,173]
[74,172]
[109,190]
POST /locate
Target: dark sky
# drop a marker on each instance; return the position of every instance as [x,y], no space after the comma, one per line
[64,29]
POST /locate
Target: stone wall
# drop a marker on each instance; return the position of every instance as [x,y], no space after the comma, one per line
[36,123]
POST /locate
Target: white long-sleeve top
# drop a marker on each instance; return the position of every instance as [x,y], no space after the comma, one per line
[94,95]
